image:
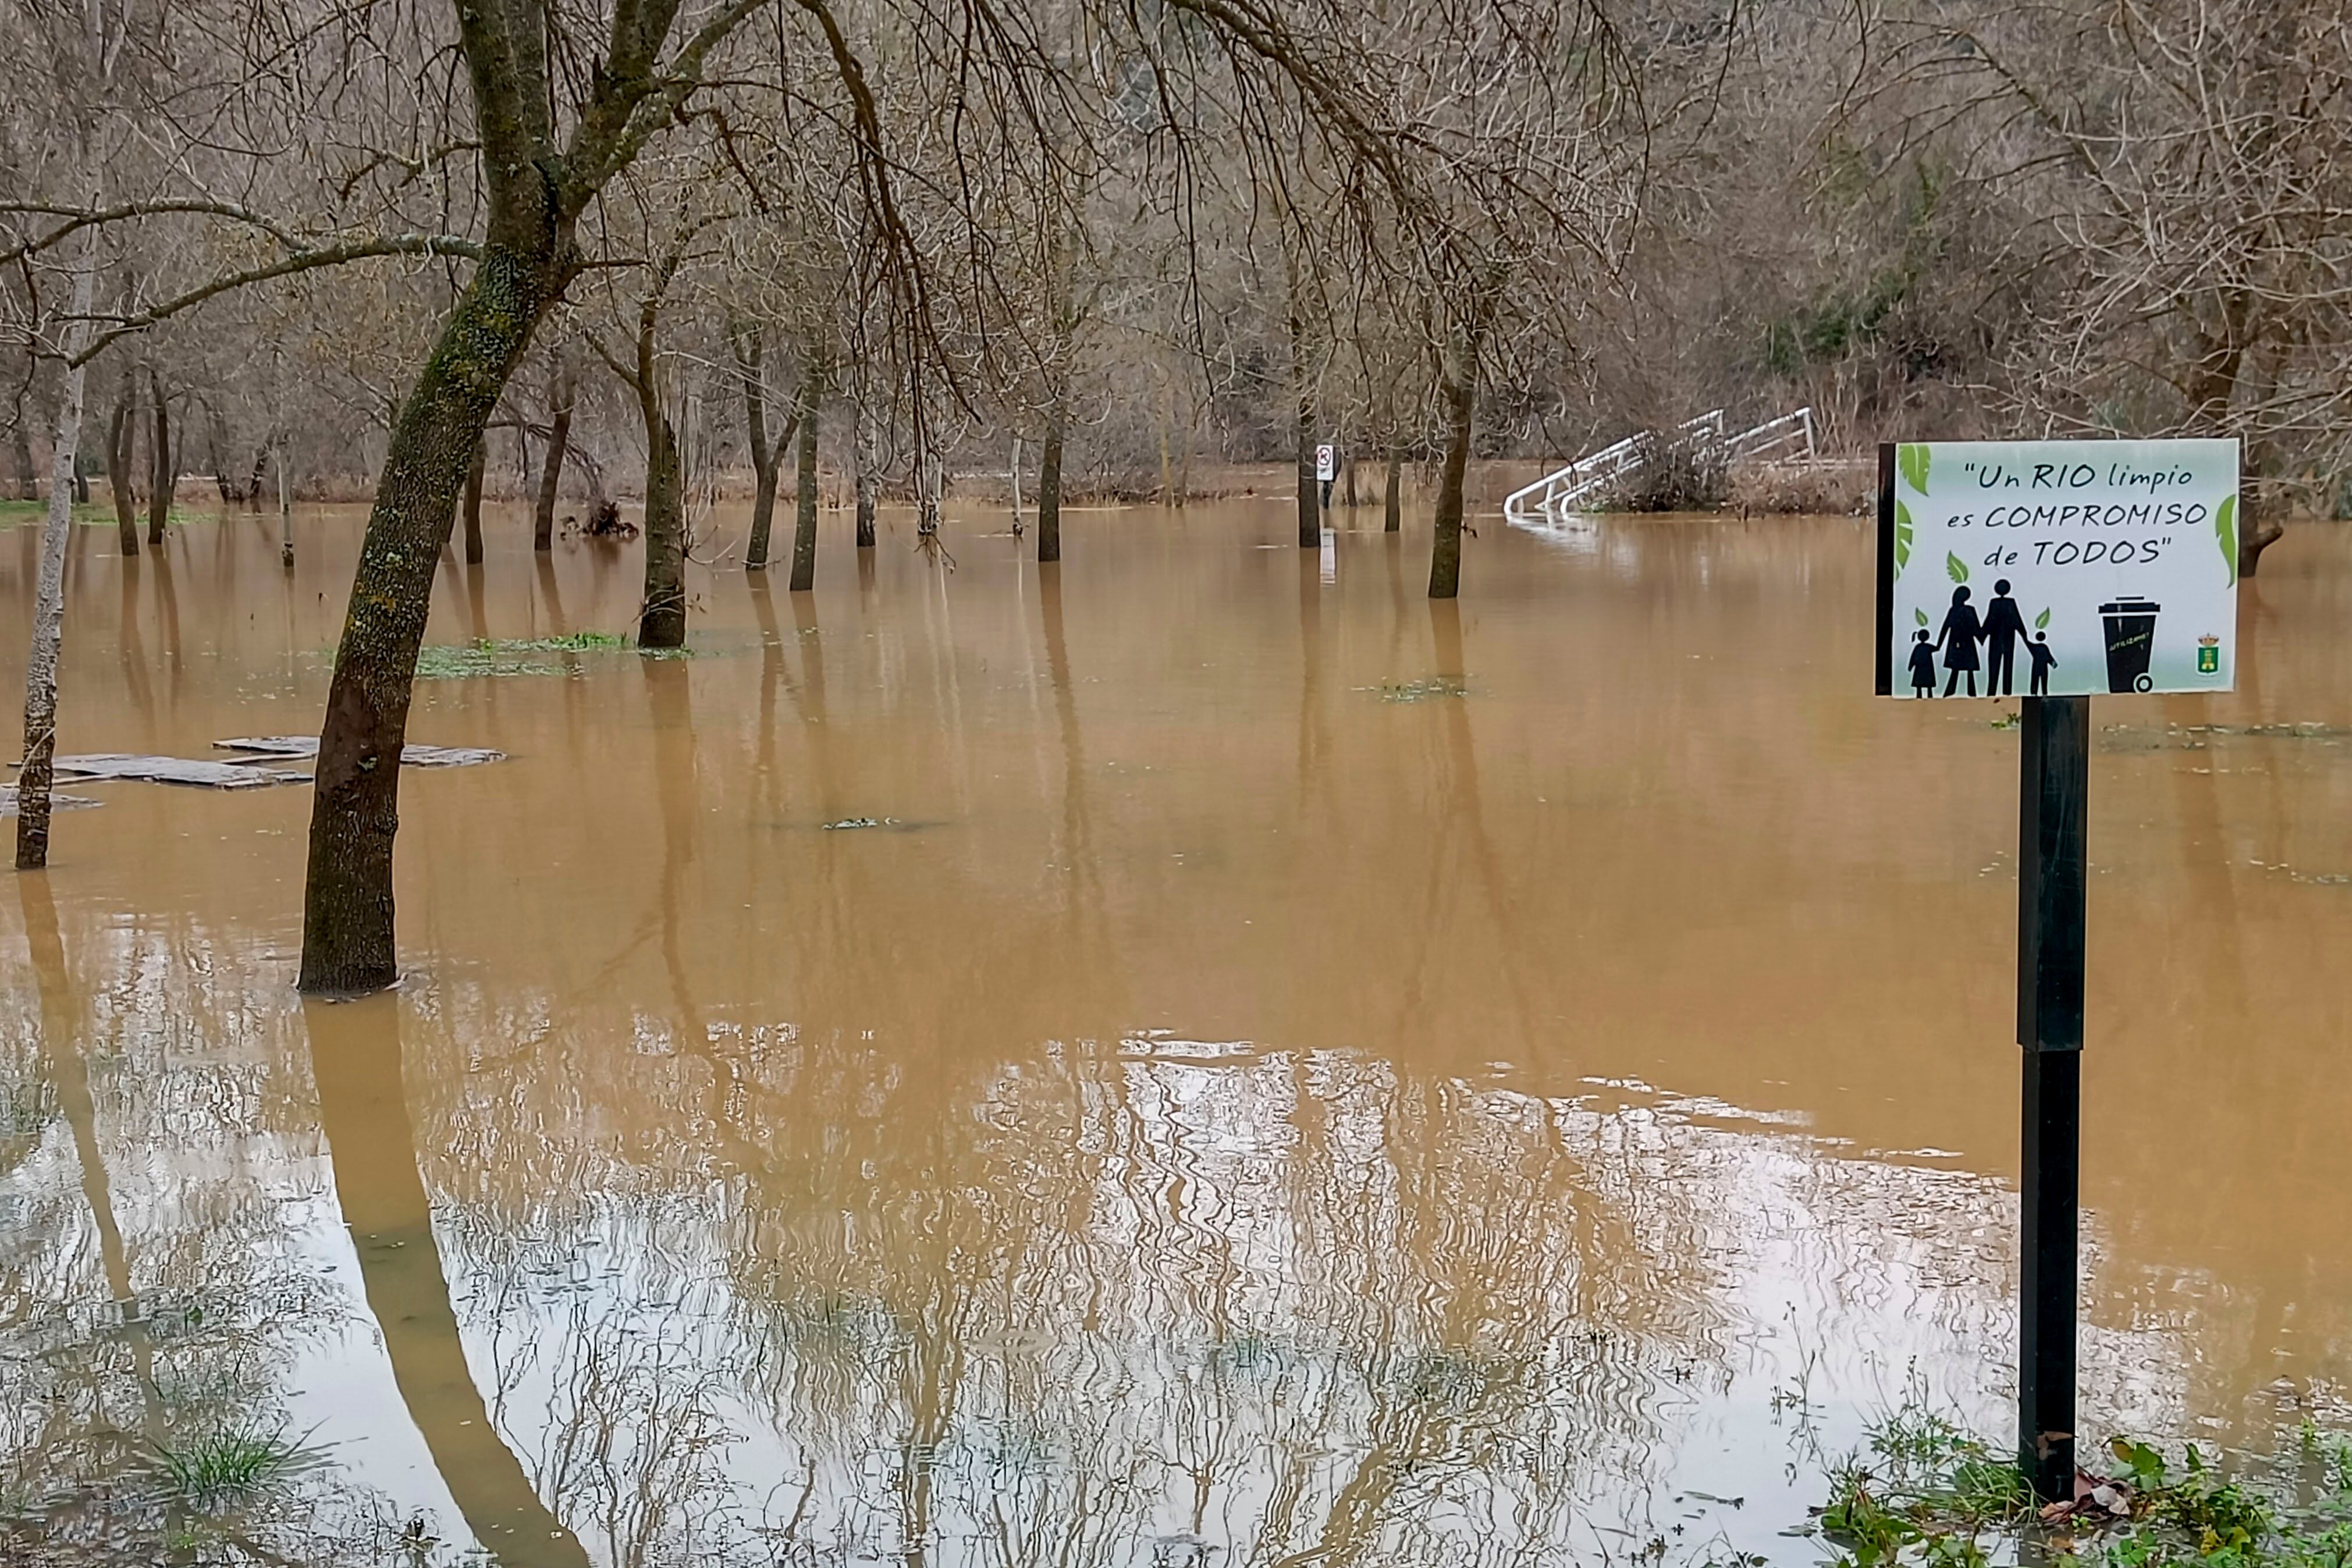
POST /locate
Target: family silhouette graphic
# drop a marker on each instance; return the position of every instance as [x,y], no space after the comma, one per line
[2000,630]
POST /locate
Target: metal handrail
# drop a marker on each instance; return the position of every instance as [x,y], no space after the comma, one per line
[1563,488]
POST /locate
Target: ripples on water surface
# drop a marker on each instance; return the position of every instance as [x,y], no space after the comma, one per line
[1259,1071]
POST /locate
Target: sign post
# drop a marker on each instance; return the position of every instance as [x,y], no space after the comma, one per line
[2113,567]
[1326,468]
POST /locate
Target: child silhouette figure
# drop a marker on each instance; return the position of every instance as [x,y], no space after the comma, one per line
[1923,664]
[2044,661]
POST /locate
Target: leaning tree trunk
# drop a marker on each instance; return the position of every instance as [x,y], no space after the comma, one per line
[1393,498]
[165,470]
[122,441]
[867,457]
[550,473]
[767,457]
[473,503]
[49,591]
[804,519]
[347,907]
[1049,482]
[1458,389]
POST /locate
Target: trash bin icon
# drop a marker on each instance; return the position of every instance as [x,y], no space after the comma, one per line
[2131,637]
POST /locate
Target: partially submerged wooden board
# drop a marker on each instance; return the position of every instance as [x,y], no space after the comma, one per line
[200,772]
[56,802]
[411,755]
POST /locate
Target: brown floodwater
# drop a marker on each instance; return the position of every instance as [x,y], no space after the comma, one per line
[1206,1059]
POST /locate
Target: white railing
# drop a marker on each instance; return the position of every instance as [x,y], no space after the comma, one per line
[1558,493]
[1552,499]
[1790,435]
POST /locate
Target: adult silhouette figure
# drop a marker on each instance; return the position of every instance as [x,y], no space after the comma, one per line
[2004,628]
[1958,641]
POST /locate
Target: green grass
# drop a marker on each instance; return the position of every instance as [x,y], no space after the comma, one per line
[224,1469]
[92,515]
[520,655]
[1922,1493]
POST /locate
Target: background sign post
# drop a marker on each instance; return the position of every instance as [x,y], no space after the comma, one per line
[2052,797]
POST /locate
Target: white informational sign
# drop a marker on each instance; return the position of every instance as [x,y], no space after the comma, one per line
[2058,567]
[1327,462]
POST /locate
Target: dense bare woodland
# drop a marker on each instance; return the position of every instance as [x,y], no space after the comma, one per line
[581,251]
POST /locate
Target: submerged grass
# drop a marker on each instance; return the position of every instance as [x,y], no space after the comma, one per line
[488,657]
[227,1468]
[1924,1493]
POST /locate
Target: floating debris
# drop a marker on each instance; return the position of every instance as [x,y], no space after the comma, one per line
[199,772]
[846,823]
[1421,690]
[514,655]
[306,746]
[56,802]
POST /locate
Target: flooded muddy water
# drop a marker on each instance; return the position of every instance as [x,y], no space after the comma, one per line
[1195,1060]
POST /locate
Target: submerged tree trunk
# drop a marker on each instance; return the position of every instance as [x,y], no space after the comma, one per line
[560,394]
[1348,480]
[767,455]
[473,503]
[49,591]
[1049,483]
[122,443]
[662,622]
[1310,506]
[347,912]
[1391,498]
[286,509]
[804,519]
[165,470]
[867,459]
[1458,388]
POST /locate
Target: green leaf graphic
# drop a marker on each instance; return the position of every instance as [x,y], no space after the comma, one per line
[1911,461]
[2042,621]
[1957,567]
[1922,616]
[2225,529]
[1902,537]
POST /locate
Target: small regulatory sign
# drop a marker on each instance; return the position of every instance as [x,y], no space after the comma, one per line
[2057,567]
[1327,462]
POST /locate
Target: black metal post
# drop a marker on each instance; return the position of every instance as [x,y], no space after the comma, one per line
[2052,798]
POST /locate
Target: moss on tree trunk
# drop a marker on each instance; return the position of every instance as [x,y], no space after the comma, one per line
[347,917]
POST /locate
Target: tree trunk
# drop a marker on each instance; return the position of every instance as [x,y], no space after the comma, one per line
[34,780]
[1392,497]
[122,443]
[804,520]
[2260,532]
[165,466]
[1310,508]
[662,622]
[347,911]
[1049,483]
[560,395]
[253,482]
[1458,389]
[29,479]
[285,510]
[473,503]
[767,457]
[868,458]
[1348,480]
